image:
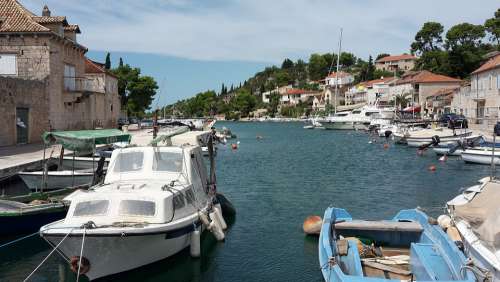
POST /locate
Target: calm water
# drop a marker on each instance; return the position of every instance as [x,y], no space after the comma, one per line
[275,183]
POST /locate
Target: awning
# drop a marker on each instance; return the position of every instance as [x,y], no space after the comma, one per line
[85,140]
[415,109]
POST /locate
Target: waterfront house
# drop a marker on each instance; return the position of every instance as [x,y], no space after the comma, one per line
[418,85]
[43,81]
[279,90]
[439,102]
[480,101]
[369,92]
[403,62]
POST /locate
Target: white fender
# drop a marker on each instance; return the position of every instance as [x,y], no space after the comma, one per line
[222,222]
[195,248]
[215,227]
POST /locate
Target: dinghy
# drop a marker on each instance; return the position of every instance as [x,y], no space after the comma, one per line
[476,215]
[405,248]
[155,202]
[56,179]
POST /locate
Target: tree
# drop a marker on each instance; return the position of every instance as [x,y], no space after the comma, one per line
[347,59]
[492,26]
[107,65]
[370,69]
[429,38]
[121,62]
[141,94]
[463,42]
[318,67]
[274,101]
[244,102]
[125,75]
[380,56]
[287,64]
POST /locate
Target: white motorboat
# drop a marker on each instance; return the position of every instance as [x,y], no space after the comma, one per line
[457,148]
[481,155]
[425,136]
[57,179]
[154,202]
[358,119]
[476,215]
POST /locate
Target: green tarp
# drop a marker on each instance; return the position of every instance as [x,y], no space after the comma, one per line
[85,140]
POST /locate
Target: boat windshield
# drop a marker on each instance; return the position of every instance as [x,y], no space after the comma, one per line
[129,161]
[167,161]
[96,207]
[137,208]
[341,114]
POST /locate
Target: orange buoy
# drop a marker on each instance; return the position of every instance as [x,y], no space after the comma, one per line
[432,168]
[386,146]
[312,225]
[234,146]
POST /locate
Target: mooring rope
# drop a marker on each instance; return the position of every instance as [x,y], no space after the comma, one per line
[81,254]
[17,240]
[45,259]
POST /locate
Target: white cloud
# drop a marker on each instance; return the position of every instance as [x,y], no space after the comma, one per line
[257,30]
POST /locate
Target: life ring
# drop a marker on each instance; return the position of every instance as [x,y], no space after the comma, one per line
[84,267]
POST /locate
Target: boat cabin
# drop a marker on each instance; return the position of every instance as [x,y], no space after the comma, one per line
[144,185]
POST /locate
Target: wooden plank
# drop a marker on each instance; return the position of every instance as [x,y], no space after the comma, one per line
[386,267]
[380,225]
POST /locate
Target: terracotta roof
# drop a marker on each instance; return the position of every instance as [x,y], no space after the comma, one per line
[370,83]
[341,74]
[295,91]
[425,77]
[16,18]
[49,20]
[489,65]
[396,58]
[96,67]
[444,91]
[72,27]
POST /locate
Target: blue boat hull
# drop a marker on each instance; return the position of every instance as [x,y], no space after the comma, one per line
[432,255]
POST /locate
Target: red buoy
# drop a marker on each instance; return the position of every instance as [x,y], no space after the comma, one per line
[432,168]
[386,146]
[234,146]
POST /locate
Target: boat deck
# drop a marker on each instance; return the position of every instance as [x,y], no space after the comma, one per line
[372,268]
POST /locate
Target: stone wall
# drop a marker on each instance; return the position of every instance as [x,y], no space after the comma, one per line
[31,94]
[32,55]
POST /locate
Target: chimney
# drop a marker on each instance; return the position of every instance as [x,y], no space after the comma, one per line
[45,11]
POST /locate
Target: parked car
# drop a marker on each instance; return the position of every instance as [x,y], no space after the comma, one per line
[454,120]
[122,122]
[133,120]
[147,123]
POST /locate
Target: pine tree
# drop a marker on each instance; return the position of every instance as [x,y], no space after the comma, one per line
[121,62]
[107,65]
[231,89]
[222,89]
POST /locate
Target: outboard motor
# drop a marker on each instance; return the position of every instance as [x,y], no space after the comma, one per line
[387,134]
[435,141]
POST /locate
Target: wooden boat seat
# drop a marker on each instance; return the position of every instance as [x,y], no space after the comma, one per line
[428,264]
[402,226]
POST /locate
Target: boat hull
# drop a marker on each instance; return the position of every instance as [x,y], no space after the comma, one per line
[112,254]
[82,163]
[445,150]
[444,140]
[29,222]
[55,180]
[344,125]
[478,156]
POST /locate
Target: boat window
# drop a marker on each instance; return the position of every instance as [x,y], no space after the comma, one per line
[178,201]
[356,112]
[369,114]
[97,207]
[341,114]
[167,161]
[130,161]
[137,207]
[190,196]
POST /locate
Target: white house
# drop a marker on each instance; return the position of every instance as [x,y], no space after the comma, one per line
[342,79]
[281,90]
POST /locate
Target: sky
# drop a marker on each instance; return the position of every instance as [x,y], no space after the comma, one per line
[194,45]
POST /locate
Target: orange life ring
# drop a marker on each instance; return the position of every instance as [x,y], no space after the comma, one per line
[84,267]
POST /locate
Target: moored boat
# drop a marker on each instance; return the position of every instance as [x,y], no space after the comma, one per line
[425,136]
[56,179]
[155,202]
[481,155]
[405,248]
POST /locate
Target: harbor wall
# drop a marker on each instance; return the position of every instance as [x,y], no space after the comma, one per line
[21,93]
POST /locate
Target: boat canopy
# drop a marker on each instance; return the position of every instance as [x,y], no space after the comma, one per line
[85,140]
[483,214]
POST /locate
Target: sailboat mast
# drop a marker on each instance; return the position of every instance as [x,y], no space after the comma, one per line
[337,73]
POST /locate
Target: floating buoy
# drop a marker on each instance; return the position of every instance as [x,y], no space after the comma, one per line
[432,168]
[259,137]
[369,142]
[195,248]
[443,158]
[420,152]
[312,225]
[234,146]
[386,146]
[238,142]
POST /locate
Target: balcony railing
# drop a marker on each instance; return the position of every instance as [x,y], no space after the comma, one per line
[81,84]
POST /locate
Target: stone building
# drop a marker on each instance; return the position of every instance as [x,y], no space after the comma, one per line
[45,49]
[404,62]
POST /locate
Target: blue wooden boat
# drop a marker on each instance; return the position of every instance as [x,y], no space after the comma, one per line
[406,247]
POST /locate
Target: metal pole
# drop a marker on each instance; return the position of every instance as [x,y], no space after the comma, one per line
[492,176]
[73,171]
[45,168]
[337,73]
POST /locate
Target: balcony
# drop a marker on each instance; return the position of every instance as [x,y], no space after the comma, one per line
[82,85]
